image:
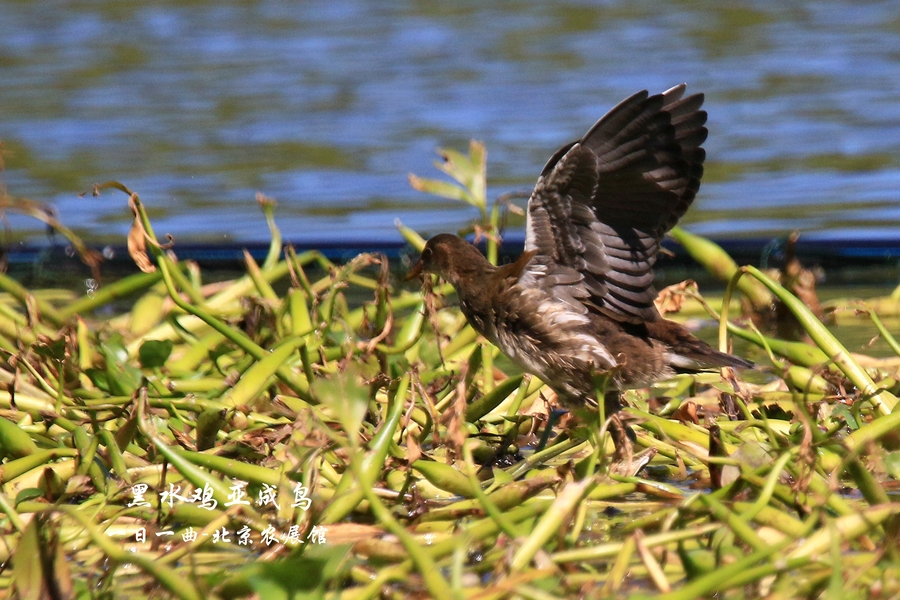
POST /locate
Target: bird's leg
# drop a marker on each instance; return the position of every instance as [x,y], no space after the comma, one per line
[622,435]
[612,403]
[619,431]
[625,461]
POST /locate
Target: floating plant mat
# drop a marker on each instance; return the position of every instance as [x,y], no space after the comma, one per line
[225,440]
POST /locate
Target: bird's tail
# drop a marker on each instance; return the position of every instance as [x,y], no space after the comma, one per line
[687,353]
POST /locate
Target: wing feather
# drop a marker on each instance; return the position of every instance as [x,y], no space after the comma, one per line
[602,204]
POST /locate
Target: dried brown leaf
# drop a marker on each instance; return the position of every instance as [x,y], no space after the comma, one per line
[671,298]
[137,241]
[413,448]
[687,413]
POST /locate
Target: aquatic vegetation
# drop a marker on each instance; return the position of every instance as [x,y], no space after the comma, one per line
[317,429]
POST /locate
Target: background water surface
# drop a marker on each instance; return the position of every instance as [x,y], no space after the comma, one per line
[327,105]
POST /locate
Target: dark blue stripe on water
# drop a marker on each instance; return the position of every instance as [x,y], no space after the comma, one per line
[844,253]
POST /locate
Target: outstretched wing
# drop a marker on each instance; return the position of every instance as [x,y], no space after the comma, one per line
[603,203]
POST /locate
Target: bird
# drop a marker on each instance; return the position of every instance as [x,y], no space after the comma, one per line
[579,301]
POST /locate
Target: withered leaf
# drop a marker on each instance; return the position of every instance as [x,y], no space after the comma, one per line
[137,242]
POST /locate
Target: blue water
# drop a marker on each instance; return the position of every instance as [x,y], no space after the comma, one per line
[327,106]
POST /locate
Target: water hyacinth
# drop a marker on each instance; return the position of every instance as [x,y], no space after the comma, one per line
[317,429]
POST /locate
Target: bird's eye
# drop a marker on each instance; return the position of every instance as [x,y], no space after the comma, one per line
[426,255]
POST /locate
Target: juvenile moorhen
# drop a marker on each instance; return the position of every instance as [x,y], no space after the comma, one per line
[579,301]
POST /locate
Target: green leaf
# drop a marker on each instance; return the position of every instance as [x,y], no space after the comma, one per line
[27,494]
[440,188]
[892,464]
[38,559]
[55,349]
[347,397]
[154,353]
[502,477]
[122,379]
[843,411]
[99,378]
[411,236]
[300,577]
[27,573]
[469,171]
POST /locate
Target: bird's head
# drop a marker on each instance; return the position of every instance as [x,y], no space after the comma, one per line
[449,257]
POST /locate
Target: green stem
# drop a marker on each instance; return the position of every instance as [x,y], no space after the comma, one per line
[882,400]
[237,337]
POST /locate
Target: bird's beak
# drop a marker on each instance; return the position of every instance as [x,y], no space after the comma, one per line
[415,271]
